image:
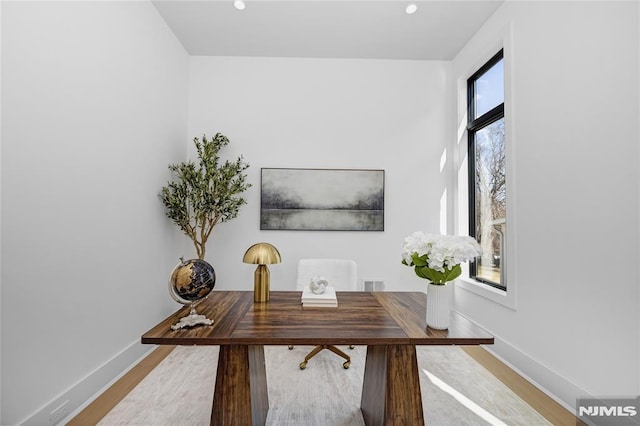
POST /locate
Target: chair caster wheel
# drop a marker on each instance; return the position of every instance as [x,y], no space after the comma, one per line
[290,347]
[346,364]
[351,346]
[303,365]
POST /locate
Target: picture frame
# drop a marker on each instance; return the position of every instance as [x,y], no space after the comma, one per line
[321,199]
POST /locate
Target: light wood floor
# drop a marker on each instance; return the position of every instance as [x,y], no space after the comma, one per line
[547,407]
[555,413]
[99,408]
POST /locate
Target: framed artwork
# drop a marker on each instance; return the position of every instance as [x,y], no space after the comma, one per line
[322,199]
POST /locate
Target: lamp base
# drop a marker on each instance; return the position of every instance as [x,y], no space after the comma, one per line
[261,284]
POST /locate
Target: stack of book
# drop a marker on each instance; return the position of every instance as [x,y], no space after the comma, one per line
[324,300]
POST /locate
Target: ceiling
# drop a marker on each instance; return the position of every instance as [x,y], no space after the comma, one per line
[375,29]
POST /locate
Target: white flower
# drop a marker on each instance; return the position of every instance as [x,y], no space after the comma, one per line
[442,252]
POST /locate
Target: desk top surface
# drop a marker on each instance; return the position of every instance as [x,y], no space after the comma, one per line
[361,318]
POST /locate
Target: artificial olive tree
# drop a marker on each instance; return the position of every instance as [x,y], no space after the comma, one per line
[205,194]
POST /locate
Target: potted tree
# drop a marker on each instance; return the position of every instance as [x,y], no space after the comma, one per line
[205,194]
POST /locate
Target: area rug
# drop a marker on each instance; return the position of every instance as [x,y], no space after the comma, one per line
[456,390]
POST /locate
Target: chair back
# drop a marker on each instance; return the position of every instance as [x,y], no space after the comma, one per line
[342,274]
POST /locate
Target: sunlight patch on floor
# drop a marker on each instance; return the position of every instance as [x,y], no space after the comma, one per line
[469,404]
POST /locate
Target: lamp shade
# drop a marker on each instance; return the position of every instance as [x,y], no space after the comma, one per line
[262,254]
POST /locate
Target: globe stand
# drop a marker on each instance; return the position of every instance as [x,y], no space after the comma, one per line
[190,283]
[191,320]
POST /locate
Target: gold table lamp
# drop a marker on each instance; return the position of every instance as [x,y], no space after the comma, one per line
[261,254]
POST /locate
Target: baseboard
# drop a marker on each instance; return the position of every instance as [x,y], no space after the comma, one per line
[554,385]
[93,384]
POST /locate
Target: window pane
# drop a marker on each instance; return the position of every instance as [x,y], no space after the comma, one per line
[489,89]
[490,200]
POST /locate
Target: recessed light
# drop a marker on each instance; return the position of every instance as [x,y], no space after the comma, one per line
[411,9]
[239,4]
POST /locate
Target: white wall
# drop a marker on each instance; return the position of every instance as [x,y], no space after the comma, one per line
[0,219]
[325,113]
[574,153]
[94,105]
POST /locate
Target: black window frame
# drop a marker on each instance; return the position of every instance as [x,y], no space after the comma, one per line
[474,125]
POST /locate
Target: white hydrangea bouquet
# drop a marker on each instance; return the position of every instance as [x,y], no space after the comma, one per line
[437,258]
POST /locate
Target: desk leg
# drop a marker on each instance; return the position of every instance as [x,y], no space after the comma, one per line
[240,396]
[391,387]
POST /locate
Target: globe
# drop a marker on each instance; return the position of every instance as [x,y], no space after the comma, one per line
[191,280]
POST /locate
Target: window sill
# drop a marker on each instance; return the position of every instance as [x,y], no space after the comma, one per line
[501,297]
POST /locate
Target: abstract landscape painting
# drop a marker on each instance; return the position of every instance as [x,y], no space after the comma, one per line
[322,199]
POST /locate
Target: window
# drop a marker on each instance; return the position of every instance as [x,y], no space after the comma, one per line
[486,159]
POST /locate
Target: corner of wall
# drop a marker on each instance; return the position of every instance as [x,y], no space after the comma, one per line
[1,214]
[638,101]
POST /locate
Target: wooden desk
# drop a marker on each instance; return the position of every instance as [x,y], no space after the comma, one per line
[389,323]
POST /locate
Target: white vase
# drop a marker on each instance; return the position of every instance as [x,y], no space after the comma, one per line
[438,306]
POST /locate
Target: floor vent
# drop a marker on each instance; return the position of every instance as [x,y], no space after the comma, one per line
[373,285]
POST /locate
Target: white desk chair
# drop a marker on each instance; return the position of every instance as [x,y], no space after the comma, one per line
[342,274]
